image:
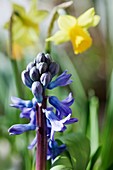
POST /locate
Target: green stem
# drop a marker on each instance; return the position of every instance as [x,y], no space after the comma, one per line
[14,62]
[48,43]
[27,157]
[17,77]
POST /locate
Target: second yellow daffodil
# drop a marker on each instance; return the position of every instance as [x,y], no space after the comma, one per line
[75,30]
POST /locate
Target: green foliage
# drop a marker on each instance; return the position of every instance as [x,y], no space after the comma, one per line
[62,162]
[81,101]
[78,147]
[94,158]
[94,134]
[107,136]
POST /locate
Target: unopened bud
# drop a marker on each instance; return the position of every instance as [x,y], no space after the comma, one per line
[42,67]
[37,91]
[40,58]
[26,78]
[34,74]
[45,78]
[29,66]
[48,58]
[53,68]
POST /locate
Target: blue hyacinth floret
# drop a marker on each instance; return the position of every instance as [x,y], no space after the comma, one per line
[38,77]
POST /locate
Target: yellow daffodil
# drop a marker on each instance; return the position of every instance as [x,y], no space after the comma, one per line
[75,30]
[25,26]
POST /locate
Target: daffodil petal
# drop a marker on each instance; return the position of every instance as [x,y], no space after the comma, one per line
[88,19]
[59,37]
[65,22]
[96,20]
[80,39]
[19,9]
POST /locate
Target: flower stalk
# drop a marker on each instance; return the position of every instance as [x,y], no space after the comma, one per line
[41,137]
[53,19]
[14,62]
[46,121]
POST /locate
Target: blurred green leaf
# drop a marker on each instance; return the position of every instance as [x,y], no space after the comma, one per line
[78,147]
[94,158]
[110,167]
[81,103]
[107,136]
[94,134]
[62,162]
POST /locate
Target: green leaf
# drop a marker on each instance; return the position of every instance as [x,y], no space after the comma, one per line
[81,103]
[94,134]
[61,167]
[107,136]
[78,147]
[94,158]
[62,162]
[110,167]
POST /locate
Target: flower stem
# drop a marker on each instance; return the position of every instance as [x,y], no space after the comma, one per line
[14,62]
[48,43]
[41,153]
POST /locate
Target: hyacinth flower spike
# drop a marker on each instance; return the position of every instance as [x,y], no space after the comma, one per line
[38,77]
[76,30]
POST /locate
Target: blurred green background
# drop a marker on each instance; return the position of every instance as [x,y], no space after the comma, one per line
[92,85]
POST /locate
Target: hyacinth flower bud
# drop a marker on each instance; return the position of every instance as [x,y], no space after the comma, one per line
[48,58]
[40,58]
[26,78]
[42,67]
[45,79]
[53,68]
[34,74]
[29,66]
[37,91]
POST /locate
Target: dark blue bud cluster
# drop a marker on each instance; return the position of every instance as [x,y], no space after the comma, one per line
[38,76]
